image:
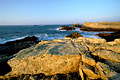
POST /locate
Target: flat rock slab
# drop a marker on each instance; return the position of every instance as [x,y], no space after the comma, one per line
[63,56]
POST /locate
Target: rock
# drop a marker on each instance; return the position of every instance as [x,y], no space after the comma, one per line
[117,41]
[90,74]
[76,25]
[110,58]
[74,35]
[88,60]
[109,36]
[46,59]
[104,26]
[107,72]
[8,50]
[67,28]
[13,47]
[112,43]
[109,55]
[82,58]
[47,64]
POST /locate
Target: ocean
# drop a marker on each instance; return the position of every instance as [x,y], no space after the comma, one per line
[43,32]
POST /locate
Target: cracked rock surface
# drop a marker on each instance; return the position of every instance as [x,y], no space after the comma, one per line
[82,58]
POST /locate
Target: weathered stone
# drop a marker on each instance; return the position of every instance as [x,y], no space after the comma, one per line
[47,64]
[95,26]
[109,55]
[76,25]
[63,56]
[117,41]
[74,35]
[88,60]
[67,28]
[112,43]
[108,72]
[90,74]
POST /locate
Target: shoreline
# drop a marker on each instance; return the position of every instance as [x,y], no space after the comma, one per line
[75,56]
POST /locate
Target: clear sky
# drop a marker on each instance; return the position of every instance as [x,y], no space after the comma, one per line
[58,11]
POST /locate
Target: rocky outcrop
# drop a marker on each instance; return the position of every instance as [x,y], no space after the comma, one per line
[76,25]
[13,47]
[109,36]
[67,28]
[89,58]
[103,26]
[74,35]
[8,50]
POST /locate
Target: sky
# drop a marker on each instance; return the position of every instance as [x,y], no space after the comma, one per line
[30,12]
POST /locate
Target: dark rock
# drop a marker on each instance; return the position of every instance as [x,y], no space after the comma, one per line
[76,25]
[70,76]
[74,35]
[13,47]
[8,49]
[109,36]
[67,28]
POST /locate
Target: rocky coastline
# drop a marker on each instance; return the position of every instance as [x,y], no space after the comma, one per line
[72,58]
[69,58]
[103,26]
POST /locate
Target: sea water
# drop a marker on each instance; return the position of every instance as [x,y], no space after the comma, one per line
[43,32]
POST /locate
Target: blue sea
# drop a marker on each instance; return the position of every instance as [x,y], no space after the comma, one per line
[43,32]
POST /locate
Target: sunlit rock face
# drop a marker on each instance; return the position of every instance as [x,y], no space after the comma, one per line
[103,26]
[90,58]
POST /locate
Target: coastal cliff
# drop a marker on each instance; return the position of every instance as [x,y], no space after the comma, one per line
[82,58]
[103,26]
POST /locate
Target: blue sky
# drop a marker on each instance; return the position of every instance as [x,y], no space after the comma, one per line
[58,11]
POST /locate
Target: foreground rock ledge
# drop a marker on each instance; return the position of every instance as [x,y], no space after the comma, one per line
[63,56]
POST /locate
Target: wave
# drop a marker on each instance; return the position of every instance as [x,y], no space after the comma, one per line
[3,41]
[49,36]
[57,29]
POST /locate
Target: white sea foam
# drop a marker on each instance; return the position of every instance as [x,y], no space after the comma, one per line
[3,41]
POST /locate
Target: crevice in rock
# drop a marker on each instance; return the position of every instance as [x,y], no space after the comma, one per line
[4,68]
[41,76]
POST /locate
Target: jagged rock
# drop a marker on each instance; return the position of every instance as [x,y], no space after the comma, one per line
[117,41]
[109,55]
[67,28]
[88,60]
[107,72]
[76,25]
[90,74]
[74,35]
[109,36]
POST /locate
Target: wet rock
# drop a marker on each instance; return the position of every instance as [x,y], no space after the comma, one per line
[109,36]
[13,47]
[74,35]
[67,28]
[76,25]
